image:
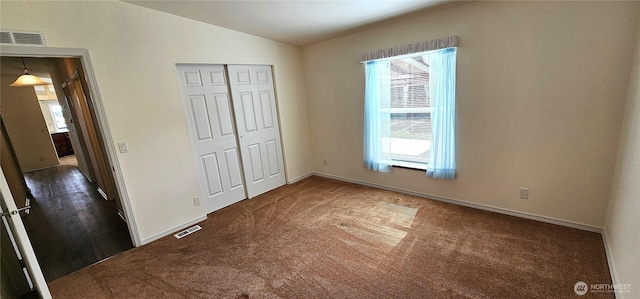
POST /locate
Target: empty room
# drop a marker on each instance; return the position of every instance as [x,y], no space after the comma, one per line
[322,149]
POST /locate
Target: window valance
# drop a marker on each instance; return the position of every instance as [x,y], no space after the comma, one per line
[429,45]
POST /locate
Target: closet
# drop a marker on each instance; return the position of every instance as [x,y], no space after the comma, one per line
[233,124]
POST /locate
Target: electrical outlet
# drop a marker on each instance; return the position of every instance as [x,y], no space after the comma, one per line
[196,201]
[325,161]
[524,193]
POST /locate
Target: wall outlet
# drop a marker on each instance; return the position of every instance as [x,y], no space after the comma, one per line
[524,193]
[196,201]
[325,161]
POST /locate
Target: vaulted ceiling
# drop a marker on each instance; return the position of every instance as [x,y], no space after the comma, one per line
[297,22]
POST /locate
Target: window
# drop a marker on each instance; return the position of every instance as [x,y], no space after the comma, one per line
[58,118]
[410,113]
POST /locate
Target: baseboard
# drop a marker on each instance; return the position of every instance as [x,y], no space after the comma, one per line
[103,194]
[122,217]
[173,230]
[551,220]
[612,267]
[41,168]
[300,178]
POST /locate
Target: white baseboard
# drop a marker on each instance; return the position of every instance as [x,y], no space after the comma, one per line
[122,217]
[173,230]
[300,178]
[103,194]
[612,268]
[551,220]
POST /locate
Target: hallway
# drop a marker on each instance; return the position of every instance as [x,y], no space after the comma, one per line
[71,226]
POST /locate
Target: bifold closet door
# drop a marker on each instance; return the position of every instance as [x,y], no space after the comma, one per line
[257,124]
[209,115]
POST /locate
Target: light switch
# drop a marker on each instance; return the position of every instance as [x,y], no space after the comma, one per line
[123,147]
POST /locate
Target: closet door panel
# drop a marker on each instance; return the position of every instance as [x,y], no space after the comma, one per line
[257,127]
[213,138]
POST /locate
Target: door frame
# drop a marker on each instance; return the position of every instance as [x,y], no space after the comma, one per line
[103,127]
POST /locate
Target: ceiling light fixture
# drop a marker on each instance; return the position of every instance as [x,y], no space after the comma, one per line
[27,79]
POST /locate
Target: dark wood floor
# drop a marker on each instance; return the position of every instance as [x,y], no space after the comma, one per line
[71,226]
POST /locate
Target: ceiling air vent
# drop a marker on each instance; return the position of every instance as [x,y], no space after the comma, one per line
[6,38]
[22,38]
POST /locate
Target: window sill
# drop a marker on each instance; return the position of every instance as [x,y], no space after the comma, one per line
[410,165]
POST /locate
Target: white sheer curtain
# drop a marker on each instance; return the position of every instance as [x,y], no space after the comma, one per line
[442,92]
[377,120]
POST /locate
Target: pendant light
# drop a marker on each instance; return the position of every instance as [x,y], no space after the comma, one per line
[27,79]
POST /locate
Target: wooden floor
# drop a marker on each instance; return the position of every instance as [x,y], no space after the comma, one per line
[71,226]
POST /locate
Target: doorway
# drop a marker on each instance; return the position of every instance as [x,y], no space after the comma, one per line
[70,224]
[76,218]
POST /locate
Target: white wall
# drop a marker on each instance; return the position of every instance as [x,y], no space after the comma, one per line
[540,97]
[134,51]
[623,224]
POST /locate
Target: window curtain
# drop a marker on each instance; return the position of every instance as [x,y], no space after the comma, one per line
[442,93]
[423,46]
[377,119]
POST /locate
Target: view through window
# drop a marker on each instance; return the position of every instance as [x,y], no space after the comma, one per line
[410,112]
[56,112]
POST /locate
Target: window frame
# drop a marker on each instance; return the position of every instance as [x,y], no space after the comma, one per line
[395,160]
[441,160]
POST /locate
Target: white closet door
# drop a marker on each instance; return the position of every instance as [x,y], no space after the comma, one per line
[209,115]
[257,123]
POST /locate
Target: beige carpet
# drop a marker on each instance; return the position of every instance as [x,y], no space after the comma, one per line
[321,238]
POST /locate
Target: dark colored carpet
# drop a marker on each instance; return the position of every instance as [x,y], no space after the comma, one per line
[321,238]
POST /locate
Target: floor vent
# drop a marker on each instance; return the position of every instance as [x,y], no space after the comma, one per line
[188,231]
[22,38]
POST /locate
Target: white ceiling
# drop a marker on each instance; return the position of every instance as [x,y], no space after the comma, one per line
[295,22]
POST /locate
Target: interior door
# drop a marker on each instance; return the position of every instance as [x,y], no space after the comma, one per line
[104,175]
[74,135]
[211,126]
[19,239]
[256,114]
